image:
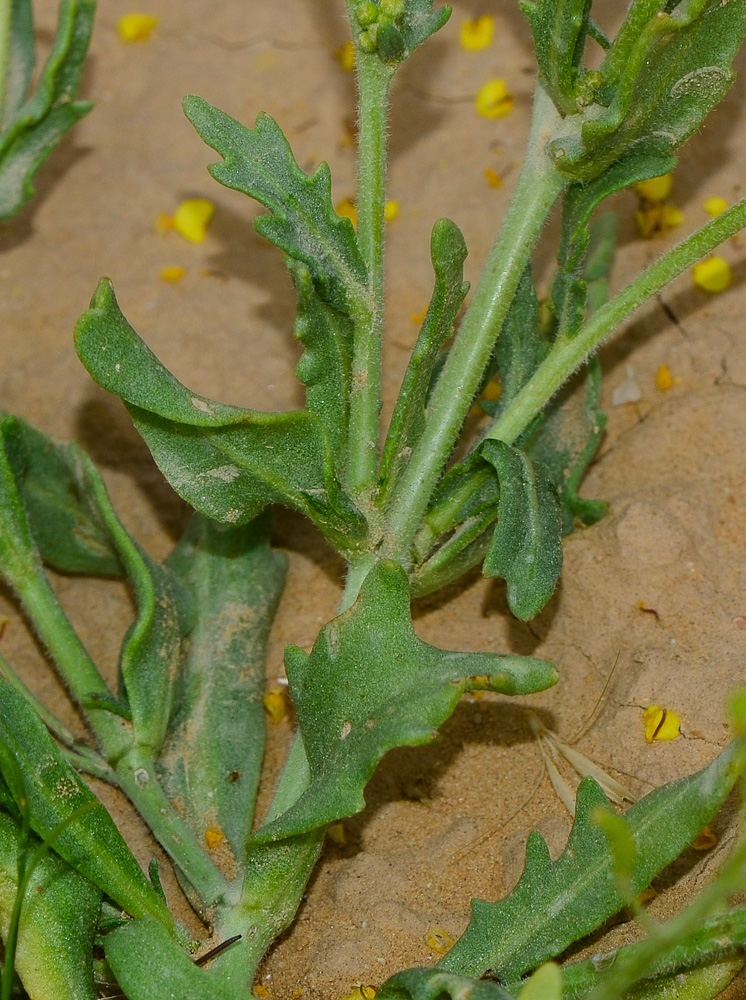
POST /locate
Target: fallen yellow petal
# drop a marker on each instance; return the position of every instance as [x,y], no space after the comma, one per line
[712,275]
[193,217]
[345,55]
[361,993]
[478,34]
[261,990]
[347,210]
[663,378]
[657,218]
[336,833]
[213,837]
[493,178]
[492,391]
[705,841]
[418,317]
[493,99]
[137,27]
[275,705]
[172,274]
[715,206]
[164,223]
[390,210]
[660,724]
[656,189]
[439,940]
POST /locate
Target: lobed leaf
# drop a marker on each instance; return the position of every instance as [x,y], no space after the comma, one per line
[91,845]
[526,549]
[54,952]
[435,984]
[419,20]
[558,902]
[559,28]
[228,462]
[211,760]
[448,253]
[350,718]
[303,223]
[326,365]
[31,128]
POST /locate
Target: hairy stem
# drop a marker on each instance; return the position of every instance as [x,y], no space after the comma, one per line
[539,185]
[374,80]
[136,776]
[568,354]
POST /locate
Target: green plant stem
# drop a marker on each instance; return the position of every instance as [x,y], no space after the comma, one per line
[568,354]
[136,776]
[6,10]
[78,670]
[539,185]
[374,81]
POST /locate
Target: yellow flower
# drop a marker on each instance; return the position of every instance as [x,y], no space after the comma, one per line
[715,206]
[712,275]
[494,99]
[361,993]
[137,27]
[476,35]
[660,724]
[656,189]
[193,217]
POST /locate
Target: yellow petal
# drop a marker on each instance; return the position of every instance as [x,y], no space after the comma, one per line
[418,317]
[347,210]
[361,993]
[439,940]
[261,990]
[478,34]
[494,99]
[663,378]
[172,274]
[345,54]
[163,223]
[492,177]
[390,210]
[715,206]
[137,27]
[336,833]
[660,724]
[214,837]
[712,275]
[275,705]
[193,217]
[656,189]
[705,841]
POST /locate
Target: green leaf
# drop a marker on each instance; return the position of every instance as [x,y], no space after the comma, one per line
[20,59]
[559,28]
[54,952]
[448,253]
[211,760]
[419,21]
[435,984]
[692,969]
[658,86]
[65,522]
[350,718]
[92,845]
[303,223]
[149,965]
[526,549]
[32,128]
[326,365]
[558,902]
[228,462]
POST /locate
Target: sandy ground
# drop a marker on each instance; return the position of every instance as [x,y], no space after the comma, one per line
[448,822]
